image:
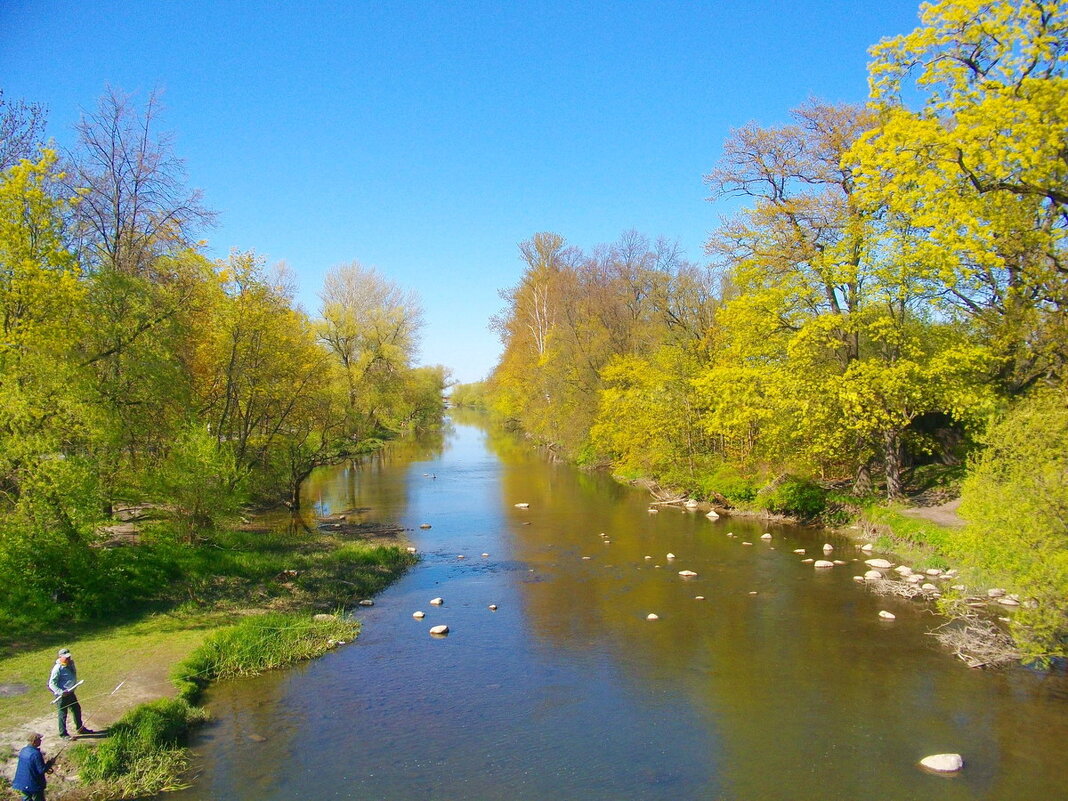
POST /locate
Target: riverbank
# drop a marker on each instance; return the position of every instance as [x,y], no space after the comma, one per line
[250,571]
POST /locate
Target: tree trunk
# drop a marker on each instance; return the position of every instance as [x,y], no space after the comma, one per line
[892,463]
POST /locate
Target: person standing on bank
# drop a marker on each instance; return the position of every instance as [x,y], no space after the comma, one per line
[62,682]
[30,774]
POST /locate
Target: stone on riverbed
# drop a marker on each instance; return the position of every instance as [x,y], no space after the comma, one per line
[712,515]
[367,602]
[439,631]
[424,525]
[873,575]
[652,616]
[943,763]
[687,573]
[437,601]
[418,615]
[882,564]
[522,506]
[823,563]
[799,550]
[887,615]
[765,536]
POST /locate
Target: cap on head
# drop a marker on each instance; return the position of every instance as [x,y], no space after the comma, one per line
[63,652]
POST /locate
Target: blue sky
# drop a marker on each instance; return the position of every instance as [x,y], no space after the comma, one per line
[429,138]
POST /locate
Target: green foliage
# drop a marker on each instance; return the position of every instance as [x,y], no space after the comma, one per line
[793,496]
[1016,502]
[199,479]
[143,753]
[257,644]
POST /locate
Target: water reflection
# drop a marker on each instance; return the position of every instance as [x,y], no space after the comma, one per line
[781,684]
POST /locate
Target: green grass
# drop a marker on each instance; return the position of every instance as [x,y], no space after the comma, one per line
[257,644]
[144,752]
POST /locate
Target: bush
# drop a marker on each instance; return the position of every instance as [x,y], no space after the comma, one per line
[1015,500]
[794,496]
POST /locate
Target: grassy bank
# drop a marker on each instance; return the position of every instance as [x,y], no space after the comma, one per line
[145,752]
[239,603]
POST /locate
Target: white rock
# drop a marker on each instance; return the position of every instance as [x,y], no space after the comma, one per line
[671,556]
[747,543]
[712,515]
[411,549]
[439,631]
[437,601]
[699,597]
[367,602]
[522,506]
[882,564]
[460,556]
[587,558]
[827,547]
[933,571]
[652,616]
[653,511]
[485,556]
[493,607]
[765,536]
[799,550]
[858,579]
[424,525]
[867,547]
[648,557]
[823,563]
[807,561]
[887,615]
[929,586]
[903,570]
[687,573]
[943,763]
[873,575]
[915,578]
[841,562]
[959,587]
[691,504]
[1008,602]
[418,615]
[995,592]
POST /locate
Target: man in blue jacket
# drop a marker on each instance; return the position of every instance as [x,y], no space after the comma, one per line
[61,682]
[30,774]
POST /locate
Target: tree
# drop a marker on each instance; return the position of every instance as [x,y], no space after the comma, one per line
[980,170]
[134,205]
[372,328]
[21,130]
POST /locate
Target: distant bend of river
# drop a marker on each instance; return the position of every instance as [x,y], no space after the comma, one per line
[781,684]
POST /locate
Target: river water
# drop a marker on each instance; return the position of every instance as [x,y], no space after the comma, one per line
[783,683]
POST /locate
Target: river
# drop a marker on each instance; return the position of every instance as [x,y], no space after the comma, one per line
[783,683]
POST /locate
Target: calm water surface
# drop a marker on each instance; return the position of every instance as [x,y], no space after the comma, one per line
[782,684]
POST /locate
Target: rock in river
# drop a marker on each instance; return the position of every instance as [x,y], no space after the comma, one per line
[439,631]
[881,564]
[823,563]
[943,763]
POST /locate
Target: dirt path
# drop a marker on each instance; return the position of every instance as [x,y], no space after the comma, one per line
[943,514]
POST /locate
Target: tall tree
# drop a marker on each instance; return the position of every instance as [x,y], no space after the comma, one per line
[134,203]
[372,327]
[980,170]
[22,127]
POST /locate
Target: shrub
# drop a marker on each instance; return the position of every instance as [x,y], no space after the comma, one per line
[794,496]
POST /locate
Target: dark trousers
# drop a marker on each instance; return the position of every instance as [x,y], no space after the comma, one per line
[69,701]
[37,795]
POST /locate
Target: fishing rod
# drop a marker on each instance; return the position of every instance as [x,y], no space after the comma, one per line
[69,690]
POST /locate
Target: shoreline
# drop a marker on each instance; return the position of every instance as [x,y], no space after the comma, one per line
[132,664]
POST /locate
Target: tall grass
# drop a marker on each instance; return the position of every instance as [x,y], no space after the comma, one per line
[258,644]
[143,753]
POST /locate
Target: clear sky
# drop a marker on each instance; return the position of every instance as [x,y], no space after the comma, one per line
[429,138]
